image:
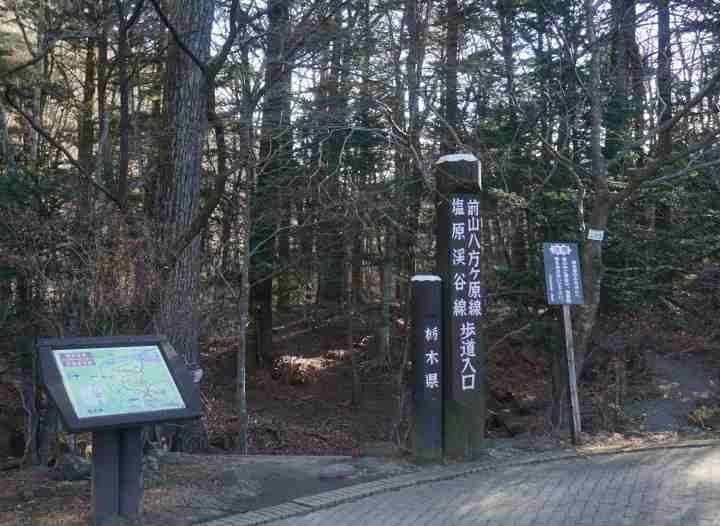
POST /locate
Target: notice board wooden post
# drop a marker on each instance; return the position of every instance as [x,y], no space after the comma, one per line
[572,375]
[563,281]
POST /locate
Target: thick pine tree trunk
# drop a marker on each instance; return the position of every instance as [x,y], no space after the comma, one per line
[185,126]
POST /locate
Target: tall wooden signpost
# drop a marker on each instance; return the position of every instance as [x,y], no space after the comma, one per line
[563,281]
[459,256]
[112,387]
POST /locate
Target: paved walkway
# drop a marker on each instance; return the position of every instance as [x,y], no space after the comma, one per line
[674,486]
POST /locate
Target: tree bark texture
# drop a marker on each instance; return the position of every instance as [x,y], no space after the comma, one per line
[186,124]
[592,264]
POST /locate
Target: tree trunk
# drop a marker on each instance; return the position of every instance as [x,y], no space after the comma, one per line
[185,126]
[186,107]
[334,106]
[387,283]
[408,165]
[273,147]
[28,393]
[243,310]
[592,263]
[124,85]
[103,74]
[663,212]
[85,143]
[351,295]
[7,151]
[451,71]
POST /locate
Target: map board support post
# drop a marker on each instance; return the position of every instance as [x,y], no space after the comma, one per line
[117,475]
[459,264]
[105,482]
[563,282]
[572,376]
[427,367]
[112,387]
[131,479]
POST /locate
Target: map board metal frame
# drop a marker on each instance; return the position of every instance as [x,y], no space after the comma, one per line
[53,380]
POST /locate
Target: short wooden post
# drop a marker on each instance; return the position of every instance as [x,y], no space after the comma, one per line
[427,367]
[105,480]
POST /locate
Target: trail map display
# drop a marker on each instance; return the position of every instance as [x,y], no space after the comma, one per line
[117,380]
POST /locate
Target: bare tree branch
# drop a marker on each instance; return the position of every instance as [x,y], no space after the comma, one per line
[707,90]
[178,40]
[217,62]
[37,57]
[56,144]
[652,168]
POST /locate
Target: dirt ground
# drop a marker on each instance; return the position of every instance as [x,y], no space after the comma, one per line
[192,488]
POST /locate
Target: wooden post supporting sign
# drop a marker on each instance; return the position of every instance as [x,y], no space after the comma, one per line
[572,376]
[563,281]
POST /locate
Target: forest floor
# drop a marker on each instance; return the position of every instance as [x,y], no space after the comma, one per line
[684,381]
[301,405]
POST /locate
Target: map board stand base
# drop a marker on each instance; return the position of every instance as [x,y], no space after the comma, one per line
[113,386]
[105,480]
[575,427]
[117,475]
[131,475]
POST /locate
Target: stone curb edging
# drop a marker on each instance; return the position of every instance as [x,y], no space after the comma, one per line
[312,503]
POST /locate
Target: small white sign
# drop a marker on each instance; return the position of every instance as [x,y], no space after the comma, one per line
[596,235]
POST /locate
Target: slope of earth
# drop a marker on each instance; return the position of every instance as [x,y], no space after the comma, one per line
[683,382]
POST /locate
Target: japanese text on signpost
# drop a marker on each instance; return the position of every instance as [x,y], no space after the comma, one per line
[562,274]
[465,288]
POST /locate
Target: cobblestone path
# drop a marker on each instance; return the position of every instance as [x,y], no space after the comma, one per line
[679,487]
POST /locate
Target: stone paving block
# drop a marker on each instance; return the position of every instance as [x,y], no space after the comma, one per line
[660,487]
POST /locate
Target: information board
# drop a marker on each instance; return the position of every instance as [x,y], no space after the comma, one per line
[117,380]
[563,279]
